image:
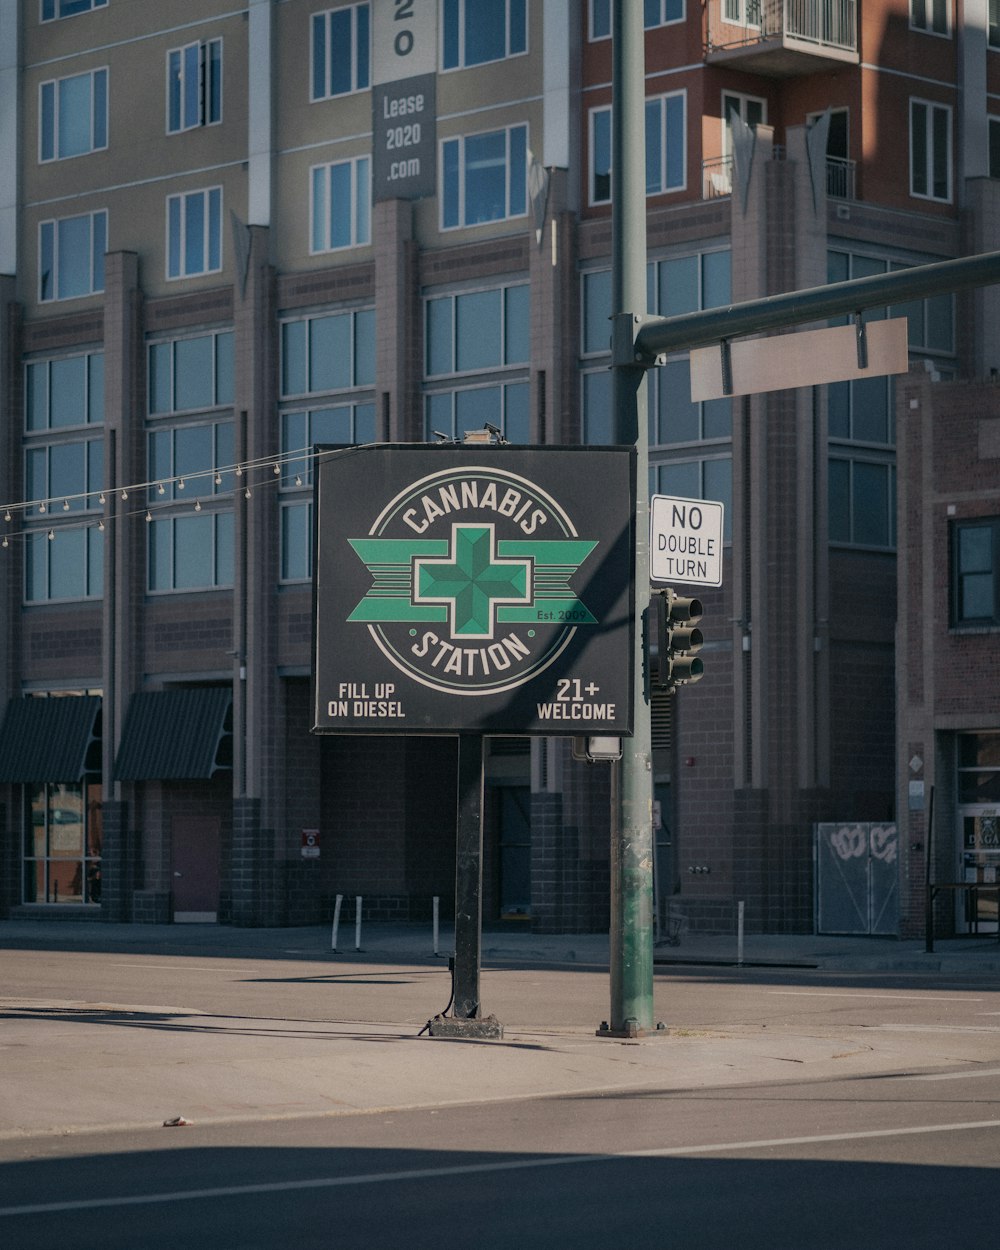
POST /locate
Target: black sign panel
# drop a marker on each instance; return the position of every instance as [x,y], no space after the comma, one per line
[404,138]
[474,590]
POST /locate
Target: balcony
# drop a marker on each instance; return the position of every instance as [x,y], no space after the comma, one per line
[782,38]
[717,177]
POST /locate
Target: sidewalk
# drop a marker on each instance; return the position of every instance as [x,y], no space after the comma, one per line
[407,941]
[146,1064]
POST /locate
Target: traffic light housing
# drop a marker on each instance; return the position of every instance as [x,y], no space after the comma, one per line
[678,638]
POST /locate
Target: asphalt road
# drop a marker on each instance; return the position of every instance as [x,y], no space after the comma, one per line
[903,1153]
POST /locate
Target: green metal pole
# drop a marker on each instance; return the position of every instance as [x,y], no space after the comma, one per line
[632,788]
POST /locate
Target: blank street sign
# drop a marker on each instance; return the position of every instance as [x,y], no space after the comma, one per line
[810,358]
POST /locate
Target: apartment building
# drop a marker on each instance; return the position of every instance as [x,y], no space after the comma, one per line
[229,233]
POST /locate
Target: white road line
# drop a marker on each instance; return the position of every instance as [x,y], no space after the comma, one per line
[479,1169]
[917,998]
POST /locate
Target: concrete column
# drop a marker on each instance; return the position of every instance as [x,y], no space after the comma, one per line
[124,463]
[398,336]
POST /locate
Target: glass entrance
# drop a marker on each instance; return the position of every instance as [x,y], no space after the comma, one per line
[979,822]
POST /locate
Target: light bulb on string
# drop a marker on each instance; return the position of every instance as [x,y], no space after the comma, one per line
[100,527]
[149,516]
[5,543]
[41,507]
[247,493]
[298,479]
[160,488]
[197,506]
[6,515]
[275,469]
[218,478]
[180,483]
[65,505]
[239,470]
[124,494]
[50,535]
[101,499]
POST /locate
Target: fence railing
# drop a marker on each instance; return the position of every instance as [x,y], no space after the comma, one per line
[717,177]
[826,23]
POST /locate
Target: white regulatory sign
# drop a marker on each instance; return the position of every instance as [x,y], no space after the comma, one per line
[685,540]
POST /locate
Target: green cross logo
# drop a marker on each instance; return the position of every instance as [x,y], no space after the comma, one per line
[472,581]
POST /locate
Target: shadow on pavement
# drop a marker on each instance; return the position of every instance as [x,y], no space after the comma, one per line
[252,1198]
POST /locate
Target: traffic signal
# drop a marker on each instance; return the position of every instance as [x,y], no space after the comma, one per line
[678,638]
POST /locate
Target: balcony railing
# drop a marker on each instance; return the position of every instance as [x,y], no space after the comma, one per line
[717,177]
[783,36]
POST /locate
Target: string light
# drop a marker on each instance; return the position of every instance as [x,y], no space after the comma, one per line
[298,479]
[6,515]
[149,516]
[50,535]
[247,493]
[124,494]
[100,526]
[180,483]
[41,507]
[275,469]
[101,499]
[5,542]
[218,478]
[197,506]
[160,488]
[65,505]
[239,470]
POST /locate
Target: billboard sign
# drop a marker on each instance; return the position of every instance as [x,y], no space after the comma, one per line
[404,99]
[473,590]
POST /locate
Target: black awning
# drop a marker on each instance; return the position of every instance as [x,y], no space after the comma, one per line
[52,739]
[176,735]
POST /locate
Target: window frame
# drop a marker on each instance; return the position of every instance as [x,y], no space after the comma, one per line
[360,74]
[993,26]
[84,499]
[358,381]
[212,210]
[924,23]
[460,143]
[957,618]
[667,142]
[360,204]
[603,113]
[931,108]
[56,15]
[458,10]
[43,538]
[209,86]
[217,401]
[602,19]
[55,272]
[92,375]
[51,114]
[218,518]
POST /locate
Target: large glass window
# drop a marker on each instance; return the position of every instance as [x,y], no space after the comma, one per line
[328,352]
[63,563]
[61,861]
[194,85]
[71,256]
[994,24]
[64,476]
[930,151]
[341,53]
[476,31]
[666,147]
[329,358]
[194,233]
[476,332]
[340,205]
[975,564]
[300,431]
[53,9]
[190,464]
[74,115]
[188,374]
[64,392]
[654,13]
[191,552]
[994,147]
[484,177]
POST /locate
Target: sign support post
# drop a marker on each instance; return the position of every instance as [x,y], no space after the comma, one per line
[631,932]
